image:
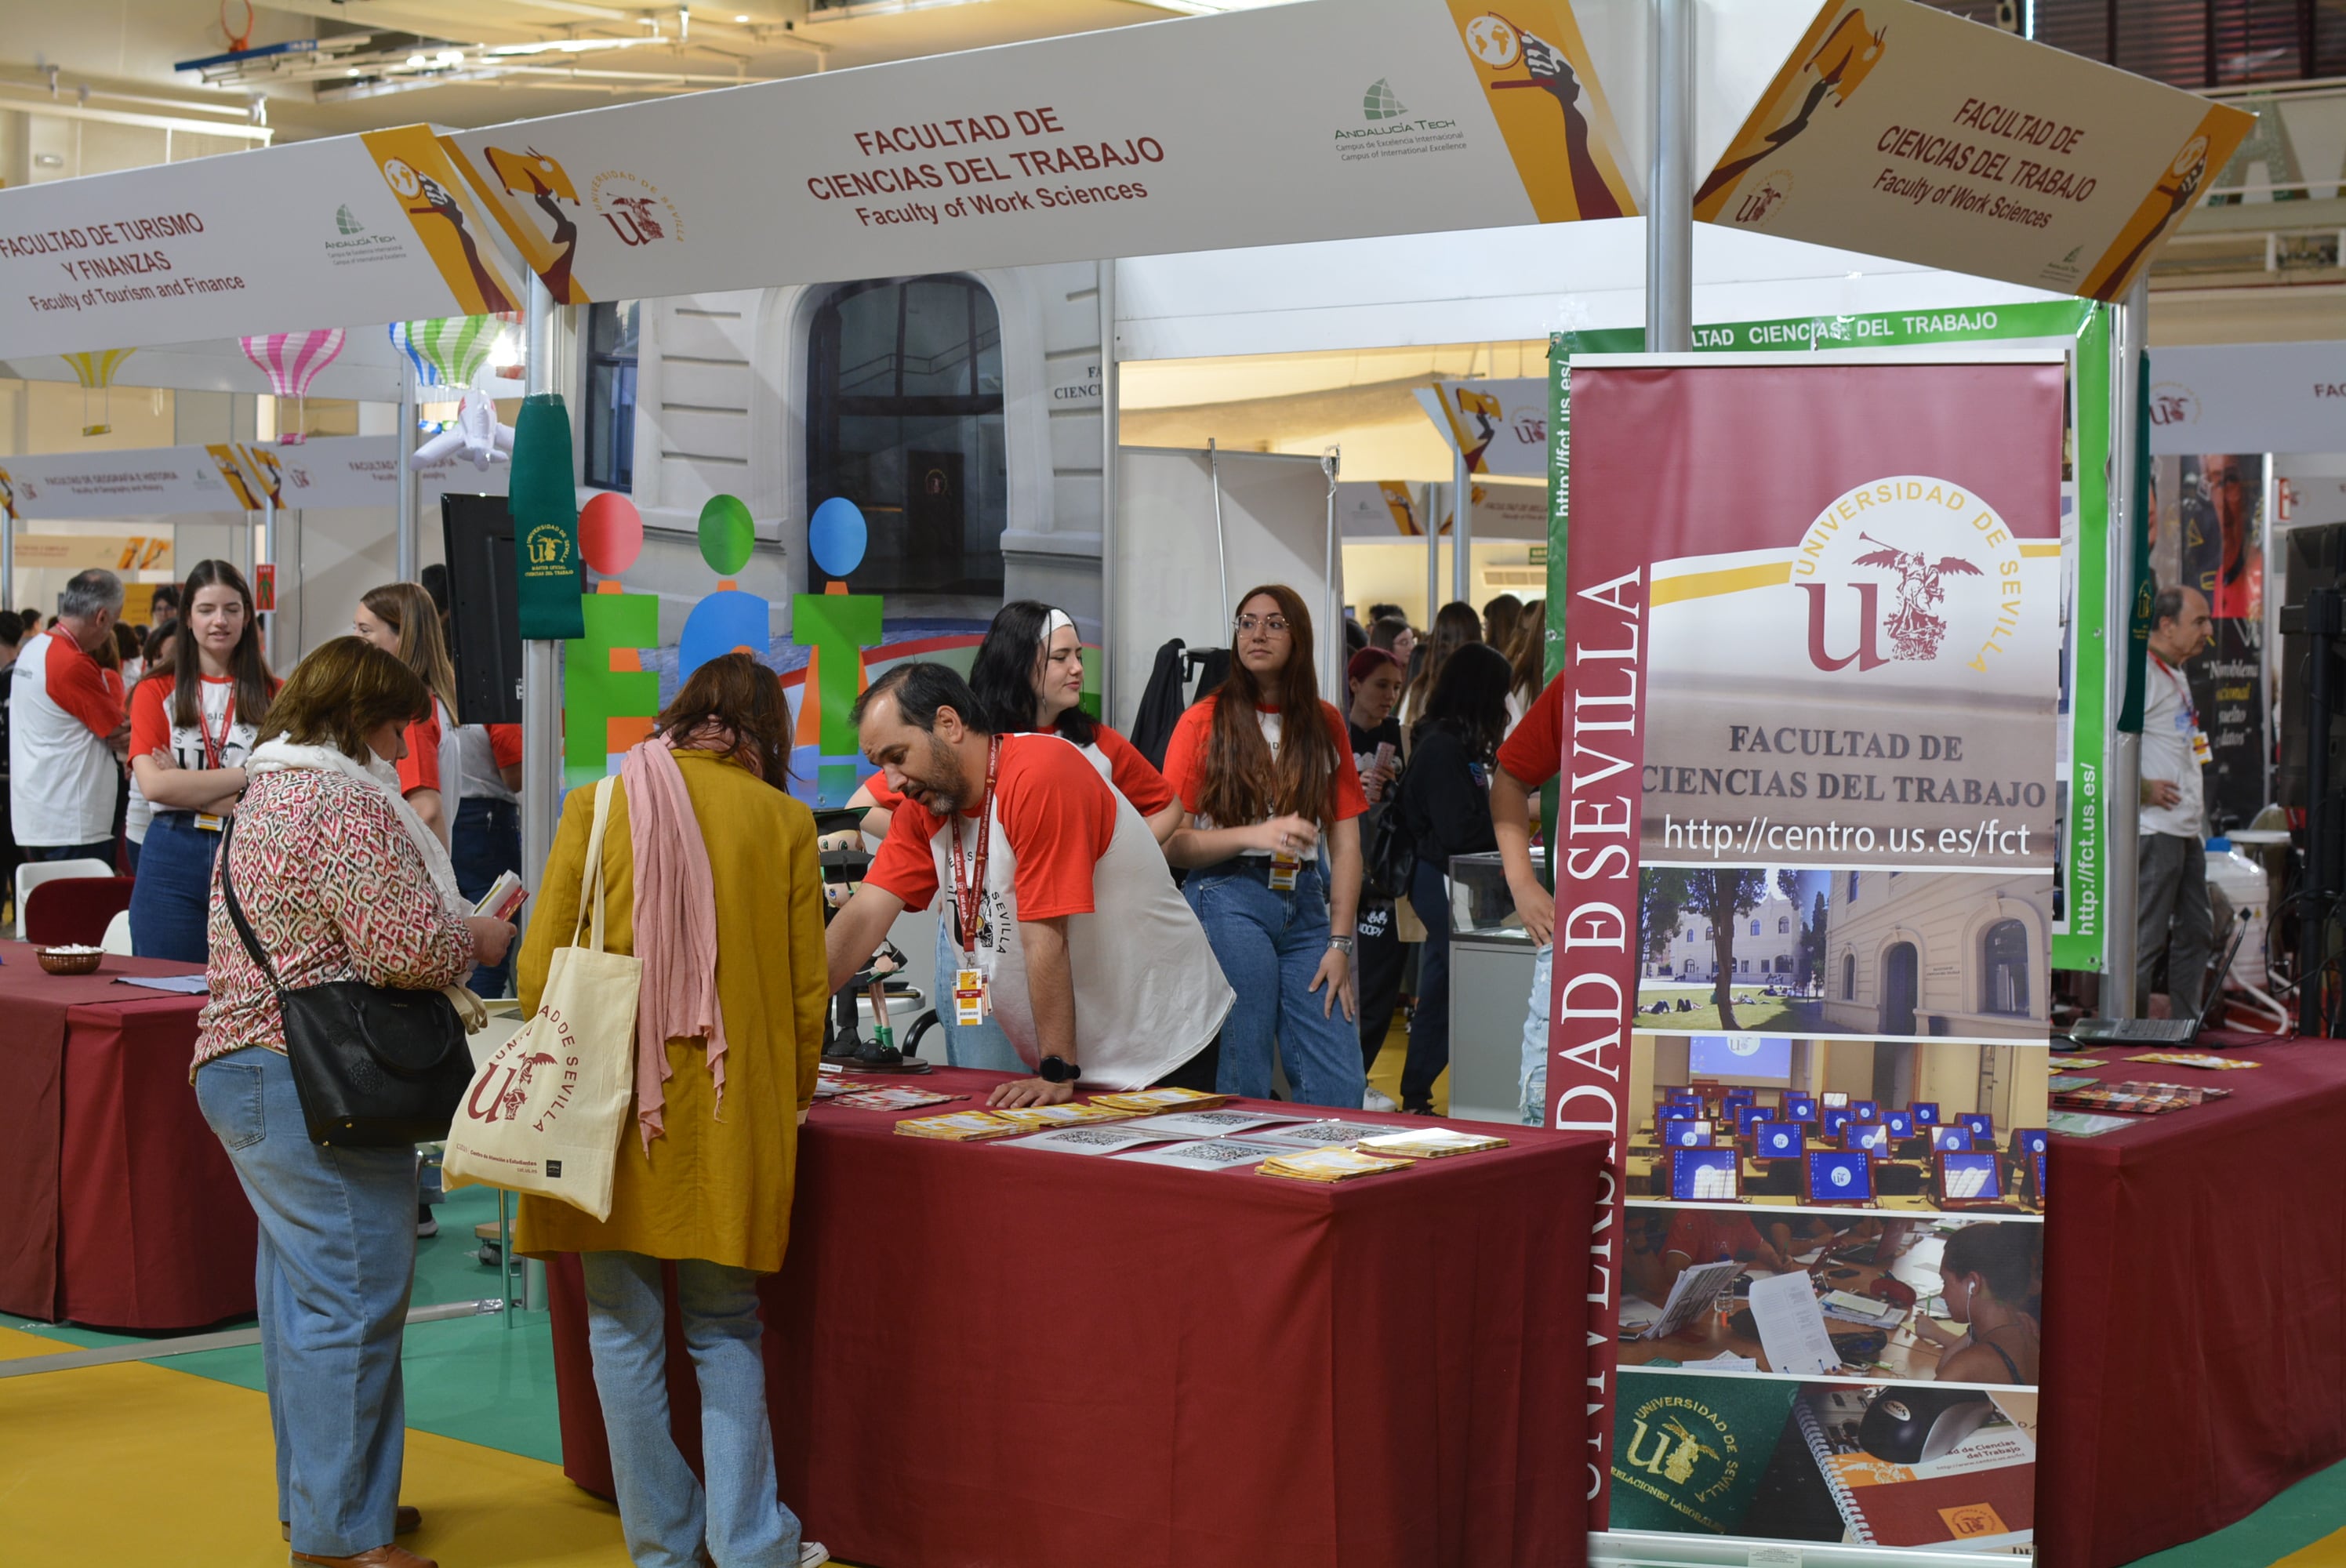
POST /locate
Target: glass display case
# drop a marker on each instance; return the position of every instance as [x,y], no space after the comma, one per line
[1481,906]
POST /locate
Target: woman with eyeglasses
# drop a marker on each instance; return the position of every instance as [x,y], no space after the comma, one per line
[1266,802]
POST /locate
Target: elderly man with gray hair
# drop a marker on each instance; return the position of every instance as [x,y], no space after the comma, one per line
[2172,887]
[66,729]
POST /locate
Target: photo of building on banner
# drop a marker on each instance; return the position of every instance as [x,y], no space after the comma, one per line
[1814,622]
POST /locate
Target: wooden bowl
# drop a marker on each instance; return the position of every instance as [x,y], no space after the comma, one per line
[58,961]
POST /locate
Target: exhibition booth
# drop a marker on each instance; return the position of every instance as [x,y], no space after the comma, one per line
[1870,465]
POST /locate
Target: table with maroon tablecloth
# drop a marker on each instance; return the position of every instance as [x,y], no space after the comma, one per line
[118,1207]
[2195,1303]
[978,1354]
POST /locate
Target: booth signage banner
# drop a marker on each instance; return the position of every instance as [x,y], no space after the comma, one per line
[1378,509]
[1806,838]
[1500,425]
[1329,121]
[138,483]
[1900,130]
[2080,917]
[81,552]
[342,231]
[2248,397]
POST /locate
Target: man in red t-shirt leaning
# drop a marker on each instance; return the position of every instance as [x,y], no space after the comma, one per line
[1533,754]
[1055,887]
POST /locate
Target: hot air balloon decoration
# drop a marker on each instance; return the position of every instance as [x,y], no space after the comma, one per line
[95,371]
[292,361]
[427,375]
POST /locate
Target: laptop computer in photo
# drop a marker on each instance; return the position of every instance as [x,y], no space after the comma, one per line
[2165,1030]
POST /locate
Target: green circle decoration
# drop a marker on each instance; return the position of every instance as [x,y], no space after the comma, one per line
[725,535]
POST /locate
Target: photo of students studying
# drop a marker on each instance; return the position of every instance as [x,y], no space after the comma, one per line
[1922,1299]
[1902,1125]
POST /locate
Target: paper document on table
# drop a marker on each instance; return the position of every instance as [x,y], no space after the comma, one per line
[1637,1315]
[2082,1124]
[1792,1326]
[1322,1134]
[1086,1140]
[177,984]
[1211,1124]
[1204,1155]
[1692,1296]
[1727,1361]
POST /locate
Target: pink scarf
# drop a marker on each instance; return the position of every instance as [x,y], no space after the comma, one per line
[675,927]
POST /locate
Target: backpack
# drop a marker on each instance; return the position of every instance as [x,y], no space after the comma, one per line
[1388,849]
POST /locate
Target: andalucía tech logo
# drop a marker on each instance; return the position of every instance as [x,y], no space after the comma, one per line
[1909,569]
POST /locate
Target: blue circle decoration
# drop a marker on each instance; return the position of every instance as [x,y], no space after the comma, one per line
[837,536]
[724,620]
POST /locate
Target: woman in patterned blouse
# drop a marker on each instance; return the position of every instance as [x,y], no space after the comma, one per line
[330,876]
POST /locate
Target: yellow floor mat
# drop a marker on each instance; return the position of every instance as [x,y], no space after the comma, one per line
[136,1464]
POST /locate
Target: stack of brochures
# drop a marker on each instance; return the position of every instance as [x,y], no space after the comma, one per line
[874,1097]
[2136,1099]
[1853,1309]
[1036,1118]
[2194,1059]
[1328,1165]
[1143,1102]
[961,1126]
[1429,1143]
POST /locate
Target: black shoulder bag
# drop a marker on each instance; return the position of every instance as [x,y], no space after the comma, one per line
[376,1066]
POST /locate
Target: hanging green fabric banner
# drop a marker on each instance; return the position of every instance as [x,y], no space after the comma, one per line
[545,505]
[2146,584]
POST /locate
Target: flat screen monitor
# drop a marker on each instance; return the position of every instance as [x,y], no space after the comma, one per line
[1834,1100]
[1966,1177]
[1676,1112]
[1981,1123]
[1900,1123]
[1778,1140]
[2037,1159]
[2030,1140]
[1749,1116]
[484,607]
[1839,1175]
[1690,1134]
[1867,1110]
[1945,1138]
[1752,1058]
[1706,1175]
[1927,1112]
[1835,1121]
[1800,1107]
[1871,1137]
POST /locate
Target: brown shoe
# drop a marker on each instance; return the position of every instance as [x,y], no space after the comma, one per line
[380,1557]
[405,1522]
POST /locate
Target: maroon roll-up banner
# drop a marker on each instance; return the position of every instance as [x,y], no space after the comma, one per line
[1805,897]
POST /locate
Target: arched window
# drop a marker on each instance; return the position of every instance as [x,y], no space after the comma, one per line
[904,419]
[1707,933]
[1853,889]
[2004,968]
[1849,977]
[1783,924]
[1755,928]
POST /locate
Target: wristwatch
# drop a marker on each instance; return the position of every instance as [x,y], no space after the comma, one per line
[1058,1070]
[1342,945]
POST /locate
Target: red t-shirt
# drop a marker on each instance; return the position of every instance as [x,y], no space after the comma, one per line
[1534,753]
[1706,1235]
[1127,769]
[152,730]
[420,769]
[505,744]
[1185,761]
[1057,812]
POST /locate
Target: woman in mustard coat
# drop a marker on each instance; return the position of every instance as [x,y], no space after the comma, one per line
[708,870]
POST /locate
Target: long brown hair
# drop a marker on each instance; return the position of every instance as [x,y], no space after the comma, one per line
[344,691]
[246,665]
[1454,626]
[407,609]
[734,706]
[1530,653]
[1244,784]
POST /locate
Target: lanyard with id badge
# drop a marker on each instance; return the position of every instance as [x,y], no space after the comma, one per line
[215,752]
[971,1004]
[2188,720]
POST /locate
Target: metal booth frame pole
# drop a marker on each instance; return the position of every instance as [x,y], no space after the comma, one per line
[1221,540]
[541,718]
[1433,558]
[1462,529]
[2122,798]
[269,549]
[1669,217]
[1110,437]
[403,534]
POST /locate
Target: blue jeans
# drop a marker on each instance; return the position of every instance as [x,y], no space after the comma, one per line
[1534,1079]
[101,850]
[663,1511]
[1269,945]
[170,903]
[973,1044]
[337,1255]
[483,844]
[1429,1018]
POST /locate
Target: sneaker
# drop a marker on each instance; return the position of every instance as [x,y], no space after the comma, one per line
[813,1555]
[424,1224]
[1378,1100]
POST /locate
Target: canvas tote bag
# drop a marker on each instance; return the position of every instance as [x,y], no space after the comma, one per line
[546,1110]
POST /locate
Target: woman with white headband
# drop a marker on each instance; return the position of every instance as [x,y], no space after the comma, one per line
[1028,676]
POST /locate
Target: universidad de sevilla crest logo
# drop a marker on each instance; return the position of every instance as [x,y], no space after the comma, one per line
[1908,569]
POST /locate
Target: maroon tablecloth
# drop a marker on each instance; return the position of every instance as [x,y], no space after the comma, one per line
[983,1355]
[2195,1303]
[120,1208]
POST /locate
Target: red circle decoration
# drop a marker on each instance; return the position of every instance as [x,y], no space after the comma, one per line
[610,533]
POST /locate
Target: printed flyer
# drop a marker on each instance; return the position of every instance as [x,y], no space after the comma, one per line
[1806,850]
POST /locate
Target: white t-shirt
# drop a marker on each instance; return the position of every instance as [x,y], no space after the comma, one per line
[475,776]
[61,775]
[2168,723]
